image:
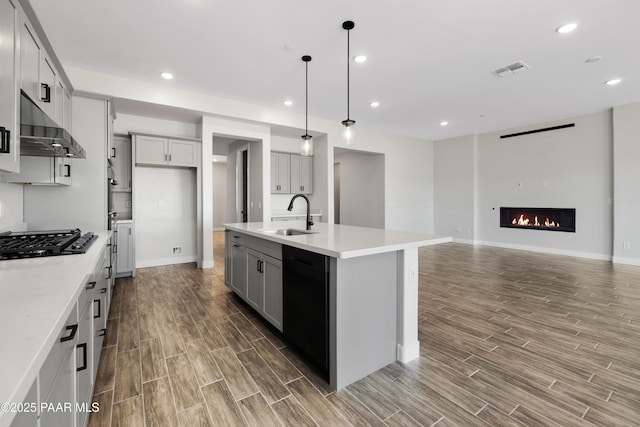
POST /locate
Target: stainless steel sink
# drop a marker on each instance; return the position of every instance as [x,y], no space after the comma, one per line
[289,231]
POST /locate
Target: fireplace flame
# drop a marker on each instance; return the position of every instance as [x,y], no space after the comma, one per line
[523,221]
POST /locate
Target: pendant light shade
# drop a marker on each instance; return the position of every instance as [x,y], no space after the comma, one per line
[348,123]
[306,147]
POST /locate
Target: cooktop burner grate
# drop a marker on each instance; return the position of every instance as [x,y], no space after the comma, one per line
[44,243]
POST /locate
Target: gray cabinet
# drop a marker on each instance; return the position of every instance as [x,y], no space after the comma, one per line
[253,270]
[57,374]
[280,173]
[30,62]
[301,174]
[238,280]
[121,160]
[9,72]
[159,151]
[42,171]
[125,251]
[291,174]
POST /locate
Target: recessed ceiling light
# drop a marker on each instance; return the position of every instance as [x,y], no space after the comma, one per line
[567,28]
[288,102]
[375,104]
[444,123]
[166,76]
[360,58]
[56,144]
[593,59]
[613,82]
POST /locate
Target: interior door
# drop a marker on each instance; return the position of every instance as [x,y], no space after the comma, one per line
[242,185]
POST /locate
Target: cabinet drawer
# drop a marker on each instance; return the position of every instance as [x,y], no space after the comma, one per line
[65,342]
[90,285]
[267,247]
[236,238]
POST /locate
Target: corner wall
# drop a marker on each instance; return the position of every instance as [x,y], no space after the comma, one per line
[567,168]
[626,176]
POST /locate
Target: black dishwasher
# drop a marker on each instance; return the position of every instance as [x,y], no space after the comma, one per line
[305,303]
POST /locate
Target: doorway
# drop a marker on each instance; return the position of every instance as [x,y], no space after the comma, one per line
[242,184]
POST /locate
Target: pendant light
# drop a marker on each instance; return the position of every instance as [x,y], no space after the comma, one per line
[306,147]
[348,123]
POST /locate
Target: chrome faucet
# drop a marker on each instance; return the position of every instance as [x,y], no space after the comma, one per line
[309,220]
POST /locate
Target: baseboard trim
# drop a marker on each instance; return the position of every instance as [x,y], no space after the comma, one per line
[627,261]
[544,250]
[407,353]
[165,261]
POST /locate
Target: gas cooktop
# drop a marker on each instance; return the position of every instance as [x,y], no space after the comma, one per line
[34,244]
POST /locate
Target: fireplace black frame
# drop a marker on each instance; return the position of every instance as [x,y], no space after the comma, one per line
[566,217]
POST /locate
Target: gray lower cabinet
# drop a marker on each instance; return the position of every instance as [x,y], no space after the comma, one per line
[67,377]
[238,269]
[253,270]
[125,252]
[57,376]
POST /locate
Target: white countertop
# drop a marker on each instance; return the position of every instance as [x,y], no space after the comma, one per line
[36,297]
[339,241]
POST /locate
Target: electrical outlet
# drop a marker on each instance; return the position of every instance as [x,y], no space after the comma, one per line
[412,274]
[0,209]
[626,245]
[177,250]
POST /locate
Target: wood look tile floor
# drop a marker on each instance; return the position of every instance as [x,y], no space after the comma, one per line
[507,338]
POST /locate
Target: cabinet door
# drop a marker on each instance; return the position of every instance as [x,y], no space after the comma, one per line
[61,170]
[66,110]
[272,303]
[182,153]
[48,87]
[30,62]
[9,148]
[84,359]
[124,249]
[274,172]
[151,150]
[28,418]
[254,279]
[239,269]
[59,102]
[301,174]
[280,173]
[61,394]
[121,159]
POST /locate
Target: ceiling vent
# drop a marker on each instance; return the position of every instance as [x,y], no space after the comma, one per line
[510,69]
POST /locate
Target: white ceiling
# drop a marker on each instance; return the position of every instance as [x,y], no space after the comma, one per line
[429,60]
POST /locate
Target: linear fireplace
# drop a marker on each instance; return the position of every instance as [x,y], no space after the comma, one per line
[550,219]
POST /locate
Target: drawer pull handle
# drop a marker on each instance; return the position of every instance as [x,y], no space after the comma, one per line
[103,290]
[90,285]
[102,332]
[97,316]
[72,335]
[84,357]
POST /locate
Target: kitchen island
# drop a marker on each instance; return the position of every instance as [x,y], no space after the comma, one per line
[372,275]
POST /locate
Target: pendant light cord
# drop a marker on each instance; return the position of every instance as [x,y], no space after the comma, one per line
[306,98]
[348,76]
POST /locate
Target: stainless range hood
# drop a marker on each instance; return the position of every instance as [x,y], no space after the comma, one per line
[41,136]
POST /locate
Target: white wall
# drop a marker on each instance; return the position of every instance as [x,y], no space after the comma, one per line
[125,123]
[11,201]
[219,210]
[361,188]
[626,178]
[83,204]
[165,215]
[454,179]
[567,168]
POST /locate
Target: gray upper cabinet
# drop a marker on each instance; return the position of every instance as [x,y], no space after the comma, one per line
[121,159]
[291,174]
[280,173]
[9,72]
[42,171]
[301,174]
[159,151]
[30,62]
